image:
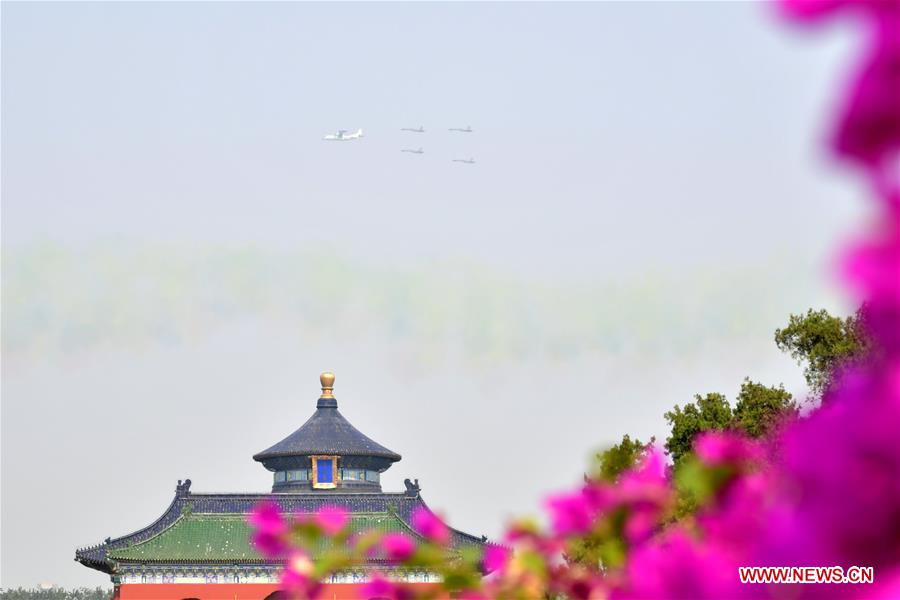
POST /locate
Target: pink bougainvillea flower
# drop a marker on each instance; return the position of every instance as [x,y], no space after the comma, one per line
[571,514]
[645,491]
[811,10]
[805,10]
[845,461]
[381,587]
[397,546]
[575,513]
[495,558]
[641,523]
[267,516]
[725,447]
[676,566]
[740,514]
[378,586]
[269,529]
[599,495]
[579,583]
[429,525]
[873,268]
[332,519]
[868,127]
[297,577]
[647,481]
[888,587]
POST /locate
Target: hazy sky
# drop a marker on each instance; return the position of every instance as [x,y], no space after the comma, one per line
[182,254]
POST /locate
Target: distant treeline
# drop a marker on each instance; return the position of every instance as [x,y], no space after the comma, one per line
[97,593]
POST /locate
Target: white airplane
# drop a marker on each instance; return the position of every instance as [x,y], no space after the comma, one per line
[466,129]
[413,129]
[471,161]
[419,151]
[343,136]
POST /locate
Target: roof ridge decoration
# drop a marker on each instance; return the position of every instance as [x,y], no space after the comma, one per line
[183,488]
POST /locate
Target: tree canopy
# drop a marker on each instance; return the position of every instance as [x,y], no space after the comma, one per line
[709,412]
[614,461]
[757,408]
[822,343]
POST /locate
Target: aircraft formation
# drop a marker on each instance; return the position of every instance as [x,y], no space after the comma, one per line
[344,135]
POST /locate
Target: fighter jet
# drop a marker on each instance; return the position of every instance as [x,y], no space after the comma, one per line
[470,161]
[411,151]
[413,129]
[466,129]
[343,136]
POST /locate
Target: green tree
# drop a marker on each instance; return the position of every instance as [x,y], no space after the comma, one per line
[758,407]
[821,343]
[709,412]
[614,461]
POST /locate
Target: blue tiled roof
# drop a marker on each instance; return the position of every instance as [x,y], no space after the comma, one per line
[327,432]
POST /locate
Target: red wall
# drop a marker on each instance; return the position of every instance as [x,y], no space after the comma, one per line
[234,591]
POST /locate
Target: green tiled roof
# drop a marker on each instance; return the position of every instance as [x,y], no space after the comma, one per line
[200,537]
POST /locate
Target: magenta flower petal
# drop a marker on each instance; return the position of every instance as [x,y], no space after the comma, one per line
[810,10]
[332,519]
[678,567]
[397,546]
[266,516]
[496,558]
[869,127]
[269,529]
[722,447]
[270,546]
[571,514]
[297,577]
[874,269]
[430,526]
[646,483]
[381,587]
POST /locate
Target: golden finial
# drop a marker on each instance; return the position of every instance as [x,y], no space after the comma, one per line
[327,381]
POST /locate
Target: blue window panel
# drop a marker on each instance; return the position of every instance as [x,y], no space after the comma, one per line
[325,473]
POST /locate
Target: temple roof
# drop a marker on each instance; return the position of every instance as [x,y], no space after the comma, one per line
[205,528]
[208,538]
[327,432]
[212,528]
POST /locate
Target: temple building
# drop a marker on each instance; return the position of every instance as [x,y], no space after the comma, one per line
[200,547]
